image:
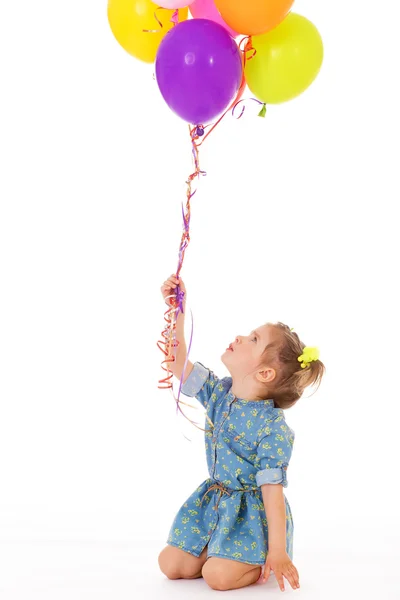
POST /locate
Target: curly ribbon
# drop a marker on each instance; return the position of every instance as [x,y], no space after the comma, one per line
[176,299]
[248,41]
[174,19]
[249,48]
[262,112]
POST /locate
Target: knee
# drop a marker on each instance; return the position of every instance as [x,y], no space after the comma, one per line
[217,581]
[220,579]
[166,565]
[216,578]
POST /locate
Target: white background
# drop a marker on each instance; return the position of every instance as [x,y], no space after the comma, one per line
[297,221]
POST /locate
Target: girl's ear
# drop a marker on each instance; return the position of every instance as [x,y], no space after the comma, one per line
[266,375]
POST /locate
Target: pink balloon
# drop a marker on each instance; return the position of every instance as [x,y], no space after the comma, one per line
[174,3]
[206,9]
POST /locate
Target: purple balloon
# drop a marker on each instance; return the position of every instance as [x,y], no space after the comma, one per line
[198,70]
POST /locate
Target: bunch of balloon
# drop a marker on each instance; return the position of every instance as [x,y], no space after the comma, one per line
[199,68]
[288,47]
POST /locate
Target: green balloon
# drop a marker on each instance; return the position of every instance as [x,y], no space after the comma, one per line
[287,60]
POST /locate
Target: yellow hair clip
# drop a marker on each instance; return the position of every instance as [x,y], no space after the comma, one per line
[309,354]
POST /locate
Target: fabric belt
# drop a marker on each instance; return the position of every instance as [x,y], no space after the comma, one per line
[224,490]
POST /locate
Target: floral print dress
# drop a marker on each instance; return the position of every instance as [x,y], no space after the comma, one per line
[249,445]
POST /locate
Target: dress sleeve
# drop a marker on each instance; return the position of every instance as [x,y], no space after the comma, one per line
[203,384]
[274,452]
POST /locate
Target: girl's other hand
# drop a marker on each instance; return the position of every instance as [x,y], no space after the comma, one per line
[281,565]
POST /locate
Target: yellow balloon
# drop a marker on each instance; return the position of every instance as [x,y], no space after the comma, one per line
[287,61]
[128,19]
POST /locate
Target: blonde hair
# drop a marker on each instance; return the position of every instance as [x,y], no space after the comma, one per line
[291,379]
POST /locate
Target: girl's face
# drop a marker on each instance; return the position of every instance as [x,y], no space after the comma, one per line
[245,355]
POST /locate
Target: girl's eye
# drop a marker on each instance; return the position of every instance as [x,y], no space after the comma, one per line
[254,338]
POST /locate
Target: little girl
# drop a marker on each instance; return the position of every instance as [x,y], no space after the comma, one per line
[239,519]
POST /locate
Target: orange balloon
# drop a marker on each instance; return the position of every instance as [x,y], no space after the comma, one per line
[253,17]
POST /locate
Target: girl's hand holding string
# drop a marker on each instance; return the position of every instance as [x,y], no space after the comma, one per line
[169,288]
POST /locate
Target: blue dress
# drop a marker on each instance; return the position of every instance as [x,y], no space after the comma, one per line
[249,445]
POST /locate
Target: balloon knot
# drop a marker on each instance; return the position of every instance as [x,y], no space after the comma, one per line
[263,111]
[175,17]
[248,47]
[249,44]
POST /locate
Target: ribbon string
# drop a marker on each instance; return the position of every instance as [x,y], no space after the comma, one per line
[174,19]
[177,298]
